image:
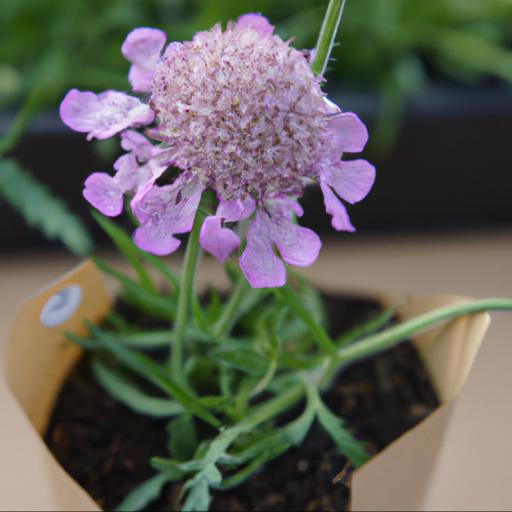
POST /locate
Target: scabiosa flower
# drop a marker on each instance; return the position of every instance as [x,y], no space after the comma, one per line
[240,112]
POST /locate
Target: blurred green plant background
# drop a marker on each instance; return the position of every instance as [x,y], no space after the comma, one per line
[392,48]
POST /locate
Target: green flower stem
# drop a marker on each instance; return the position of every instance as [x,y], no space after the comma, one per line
[327,35]
[188,274]
[390,337]
[273,407]
[230,310]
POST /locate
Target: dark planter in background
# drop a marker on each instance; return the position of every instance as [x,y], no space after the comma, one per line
[450,167]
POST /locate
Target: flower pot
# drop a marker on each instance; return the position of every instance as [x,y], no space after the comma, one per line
[37,359]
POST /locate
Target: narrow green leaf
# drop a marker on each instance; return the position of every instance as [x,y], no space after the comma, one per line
[41,209]
[198,496]
[159,264]
[286,295]
[366,329]
[312,302]
[146,339]
[197,489]
[144,494]
[291,434]
[249,470]
[297,361]
[175,467]
[155,373]
[151,303]
[131,396]
[159,338]
[183,437]
[85,343]
[353,449]
[243,359]
[214,307]
[118,322]
[126,246]
[200,318]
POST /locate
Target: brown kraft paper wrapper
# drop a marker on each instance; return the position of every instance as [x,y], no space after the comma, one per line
[37,358]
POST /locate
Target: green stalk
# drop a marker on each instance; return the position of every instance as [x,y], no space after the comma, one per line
[398,333]
[327,35]
[273,407]
[185,297]
[230,310]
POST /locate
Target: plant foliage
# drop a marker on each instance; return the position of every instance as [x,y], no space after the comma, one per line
[281,356]
[41,209]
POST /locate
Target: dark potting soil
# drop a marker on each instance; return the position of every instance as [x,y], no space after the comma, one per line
[105,447]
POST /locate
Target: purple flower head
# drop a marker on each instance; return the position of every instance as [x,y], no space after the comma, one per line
[240,112]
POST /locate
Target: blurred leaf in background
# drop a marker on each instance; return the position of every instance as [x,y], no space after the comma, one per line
[393,48]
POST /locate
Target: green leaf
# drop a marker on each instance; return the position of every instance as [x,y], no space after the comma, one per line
[117,321]
[353,449]
[200,318]
[146,339]
[175,467]
[85,343]
[249,470]
[155,373]
[297,361]
[159,338]
[41,209]
[214,307]
[280,439]
[272,367]
[151,303]
[130,395]
[198,495]
[158,263]
[244,359]
[198,488]
[312,302]
[126,246]
[367,328]
[144,494]
[183,437]
[269,447]
[286,295]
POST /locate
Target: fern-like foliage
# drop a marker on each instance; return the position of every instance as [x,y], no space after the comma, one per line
[41,209]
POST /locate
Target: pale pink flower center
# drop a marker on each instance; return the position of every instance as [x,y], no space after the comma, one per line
[243,112]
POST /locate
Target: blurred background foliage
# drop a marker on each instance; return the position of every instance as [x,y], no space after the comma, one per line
[392,48]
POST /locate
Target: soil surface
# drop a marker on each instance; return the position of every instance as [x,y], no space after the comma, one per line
[105,447]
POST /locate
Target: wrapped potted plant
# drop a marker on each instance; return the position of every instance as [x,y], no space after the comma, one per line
[234,392]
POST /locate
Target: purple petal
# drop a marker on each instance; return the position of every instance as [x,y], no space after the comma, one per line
[274,225]
[256,22]
[164,212]
[333,206]
[348,134]
[132,140]
[133,176]
[297,245]
[259,263]
[235,210]
[151,239]
[146,179]
[104,194]
[126,175]
[217,240]
[352,180]
[103,115]
[142,47]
